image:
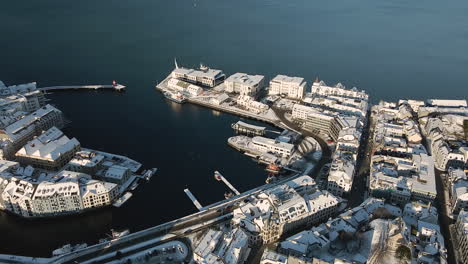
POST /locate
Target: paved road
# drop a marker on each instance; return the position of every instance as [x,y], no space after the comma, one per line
[444,220]
[359,190]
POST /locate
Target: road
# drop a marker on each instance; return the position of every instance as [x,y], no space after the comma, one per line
[444,220]
[359,189]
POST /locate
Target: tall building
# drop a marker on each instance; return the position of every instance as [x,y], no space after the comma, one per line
[291,87]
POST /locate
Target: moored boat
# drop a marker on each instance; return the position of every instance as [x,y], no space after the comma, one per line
[68,248]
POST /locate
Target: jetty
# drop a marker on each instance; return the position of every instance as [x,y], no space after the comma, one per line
[220,177]
[116,86]
[194,200]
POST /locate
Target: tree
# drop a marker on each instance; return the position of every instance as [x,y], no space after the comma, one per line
[403,253]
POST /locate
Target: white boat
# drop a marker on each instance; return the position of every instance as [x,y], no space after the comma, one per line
[175,97]
[149,173]
[119,234]
[68,249]
[134,185]
[119,202]
[114,235]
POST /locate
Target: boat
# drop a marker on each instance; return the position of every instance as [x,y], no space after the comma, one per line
[119,202]
[175,97]
[119,234]
[273,168]
[149,173]
[270,179]
[68,248]
[228,195]
[115,235]
[134,185]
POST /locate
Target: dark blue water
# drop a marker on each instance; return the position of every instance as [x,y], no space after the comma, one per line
[393,49]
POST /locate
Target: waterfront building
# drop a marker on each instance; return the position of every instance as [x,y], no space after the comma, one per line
[244,84]
[61,196]
[86,161]
[291,87]
[186,87]
[117,174]
[17,89]
[461,231]
[14,136]
[51,150]
[96,193]
[30,192]
[264,144]
[320,88]
[203,76]
[252,105]
[447,103]
[219,99]
[105,166]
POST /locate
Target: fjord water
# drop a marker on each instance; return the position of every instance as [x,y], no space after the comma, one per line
[393,49]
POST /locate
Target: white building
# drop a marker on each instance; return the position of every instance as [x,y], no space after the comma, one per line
[252,105]
[291,87]
[29,192]
[218,247]
[281,209]
[341,175]
[14,136]
[244,84]
[204,76]
[321,89]
[51,150]
[447,103]
[185,87]
[264,144]
[96,193]
[458,190]
[219,99]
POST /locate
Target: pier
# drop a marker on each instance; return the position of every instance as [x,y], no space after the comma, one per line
[220,177]
[248,129]
[117,87]
[194,200]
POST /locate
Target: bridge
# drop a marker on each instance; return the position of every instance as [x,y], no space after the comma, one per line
[116,86]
